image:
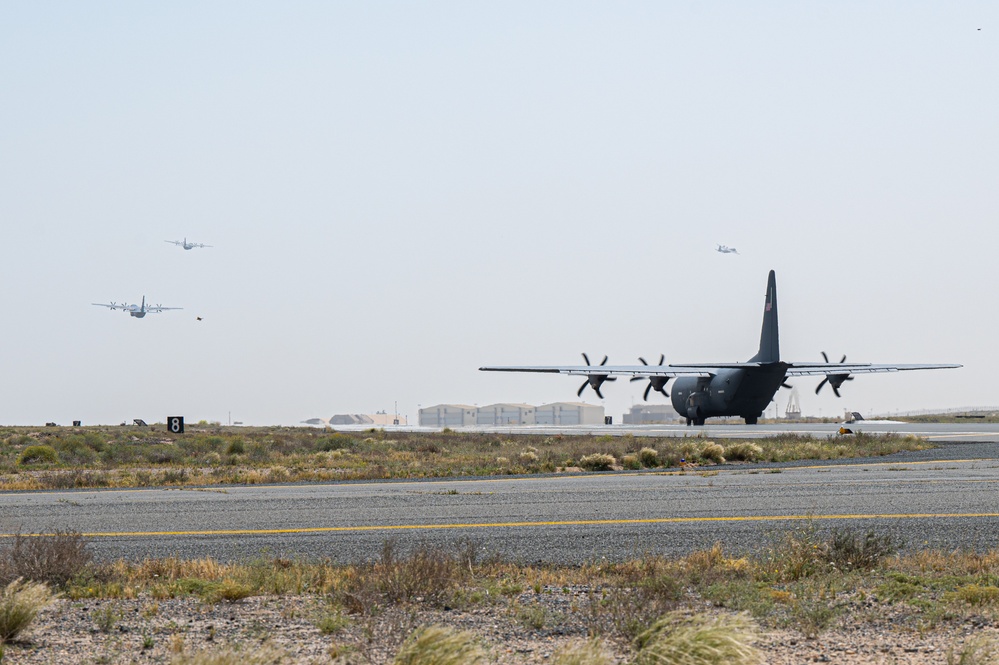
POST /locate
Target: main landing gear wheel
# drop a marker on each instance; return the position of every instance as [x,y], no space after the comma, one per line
[751,420]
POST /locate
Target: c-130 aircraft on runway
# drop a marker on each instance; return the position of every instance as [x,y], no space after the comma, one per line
[712,390]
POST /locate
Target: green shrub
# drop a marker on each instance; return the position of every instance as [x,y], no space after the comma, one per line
[229,591]
[20,603]
[106,618]
[974,594]
[631,462]
[40,454]
[813,615]
[331,623]
[597,462]
[335,441]
[74,450]
[438,645]
[236,446]
[846,550]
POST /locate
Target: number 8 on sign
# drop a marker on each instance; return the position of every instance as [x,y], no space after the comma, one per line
[175,424]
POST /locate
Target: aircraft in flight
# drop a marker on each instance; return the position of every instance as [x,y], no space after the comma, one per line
[713,390]
[725,249]
[138,311]
[186,245]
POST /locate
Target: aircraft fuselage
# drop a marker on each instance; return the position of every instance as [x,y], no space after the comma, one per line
[743,393]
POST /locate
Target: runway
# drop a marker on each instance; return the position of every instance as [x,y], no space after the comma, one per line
[944,498]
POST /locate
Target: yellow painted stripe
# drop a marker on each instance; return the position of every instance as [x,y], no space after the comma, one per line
[506,525]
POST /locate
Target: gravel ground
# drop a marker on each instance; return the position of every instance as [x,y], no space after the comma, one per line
[144,630]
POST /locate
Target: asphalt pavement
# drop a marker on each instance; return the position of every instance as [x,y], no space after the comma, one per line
[943,498]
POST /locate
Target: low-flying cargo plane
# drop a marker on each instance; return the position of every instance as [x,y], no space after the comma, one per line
[138,311]
[724,249]
[713,390]
[186,245]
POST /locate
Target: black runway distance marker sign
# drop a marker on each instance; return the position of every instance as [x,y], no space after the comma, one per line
[175,424]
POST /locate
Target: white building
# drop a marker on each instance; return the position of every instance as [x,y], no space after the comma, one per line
[569,413]
[448,415]
[505,414]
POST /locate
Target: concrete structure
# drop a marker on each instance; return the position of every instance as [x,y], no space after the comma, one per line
[448,415]
[380,419]
[650,414]
[505,414]
[569,413]
[351,419]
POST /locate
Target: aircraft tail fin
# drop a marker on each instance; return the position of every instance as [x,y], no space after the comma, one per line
[769,338]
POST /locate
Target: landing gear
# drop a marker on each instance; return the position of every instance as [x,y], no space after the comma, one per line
[751,420]
[688,422]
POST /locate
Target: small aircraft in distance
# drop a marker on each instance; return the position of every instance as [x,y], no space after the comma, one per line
[186,245]
[726,389]
[138,311]
[725,249]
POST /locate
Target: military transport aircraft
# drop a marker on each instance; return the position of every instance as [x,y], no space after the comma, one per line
[724,249]
[138,311]
[186,245]
[711,390]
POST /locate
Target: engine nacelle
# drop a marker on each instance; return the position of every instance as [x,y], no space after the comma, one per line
[704,397]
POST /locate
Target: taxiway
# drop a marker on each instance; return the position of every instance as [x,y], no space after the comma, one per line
[943,498]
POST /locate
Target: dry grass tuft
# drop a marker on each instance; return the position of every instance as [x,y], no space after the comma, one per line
[699,640]
[649,457]
[255,655]
[597,462]
[713,452]
[591,652]
[20,603]
[743,452]
[54,559]
[438,645]
[977,650]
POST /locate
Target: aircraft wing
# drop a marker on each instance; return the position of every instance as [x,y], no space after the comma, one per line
[110,306]
[608,370]
[156,309]
[805,369]
[175,242]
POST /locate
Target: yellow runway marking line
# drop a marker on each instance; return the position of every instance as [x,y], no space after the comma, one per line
[507,525]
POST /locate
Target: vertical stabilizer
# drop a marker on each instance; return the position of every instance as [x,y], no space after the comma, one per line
[769,339]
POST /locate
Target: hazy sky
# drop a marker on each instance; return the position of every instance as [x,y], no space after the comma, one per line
[399,193]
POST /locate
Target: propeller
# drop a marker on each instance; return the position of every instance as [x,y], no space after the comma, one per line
[657,383]
[594,380]
[834,380]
